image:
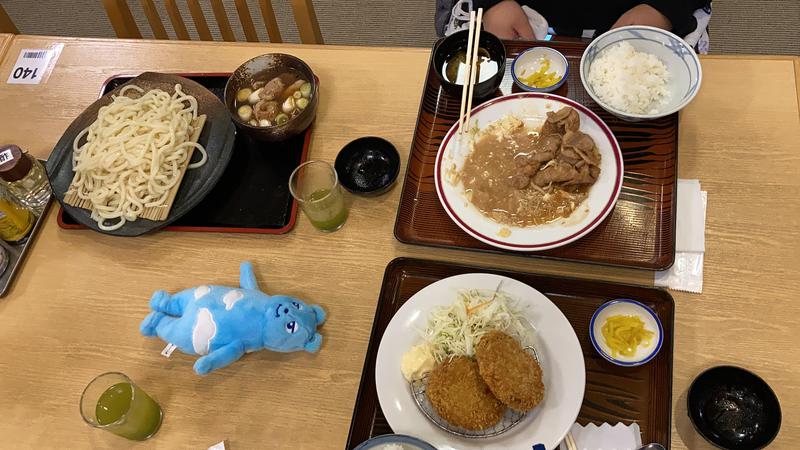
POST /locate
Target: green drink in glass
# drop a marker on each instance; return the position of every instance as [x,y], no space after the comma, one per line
[115,403]
[316,188]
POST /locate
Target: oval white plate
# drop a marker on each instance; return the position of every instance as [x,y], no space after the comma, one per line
[564,374]
[531,108]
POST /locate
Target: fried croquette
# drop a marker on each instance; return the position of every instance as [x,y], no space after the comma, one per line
[511,373]
[460,396]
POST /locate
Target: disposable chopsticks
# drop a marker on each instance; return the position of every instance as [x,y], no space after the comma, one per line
[468,65]
[473,64]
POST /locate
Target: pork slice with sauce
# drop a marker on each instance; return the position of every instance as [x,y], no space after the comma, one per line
[561,121]
[555,173]
[585,175]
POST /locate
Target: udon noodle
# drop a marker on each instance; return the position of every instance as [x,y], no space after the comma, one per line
[134,153]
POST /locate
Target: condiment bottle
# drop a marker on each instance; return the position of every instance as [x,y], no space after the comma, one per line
[24,177]
[3,260]
[16,221]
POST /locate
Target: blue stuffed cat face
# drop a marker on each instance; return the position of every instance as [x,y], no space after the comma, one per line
[292,325]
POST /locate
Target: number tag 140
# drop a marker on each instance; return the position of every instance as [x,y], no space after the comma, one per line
[34,66]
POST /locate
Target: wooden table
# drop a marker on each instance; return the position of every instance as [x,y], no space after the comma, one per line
[75,309]
[5,42]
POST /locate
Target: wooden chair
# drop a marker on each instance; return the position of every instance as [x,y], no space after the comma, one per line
[6,24]
[125,26]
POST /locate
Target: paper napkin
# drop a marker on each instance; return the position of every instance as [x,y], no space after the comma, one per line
[686,274]
[606,437]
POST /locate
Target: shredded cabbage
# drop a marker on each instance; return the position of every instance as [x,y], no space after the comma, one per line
[455,330]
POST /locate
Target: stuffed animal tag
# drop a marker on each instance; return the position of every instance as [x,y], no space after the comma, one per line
[220,324]
[167,352]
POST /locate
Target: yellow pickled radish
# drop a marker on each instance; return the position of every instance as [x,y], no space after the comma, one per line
[624,334]
[542,78]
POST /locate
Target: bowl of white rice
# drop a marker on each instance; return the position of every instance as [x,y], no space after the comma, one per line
[639,73]
[395,442]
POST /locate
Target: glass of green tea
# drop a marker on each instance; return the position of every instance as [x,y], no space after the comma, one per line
[115,403]
[315,186]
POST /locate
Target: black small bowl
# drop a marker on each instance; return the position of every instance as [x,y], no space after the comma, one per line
[734,409]
[449,46]
[368,166]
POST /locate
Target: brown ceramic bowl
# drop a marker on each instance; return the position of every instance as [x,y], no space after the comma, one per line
[264,68]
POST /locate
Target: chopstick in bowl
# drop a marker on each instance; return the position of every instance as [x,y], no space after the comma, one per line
[468,64]
[472,62]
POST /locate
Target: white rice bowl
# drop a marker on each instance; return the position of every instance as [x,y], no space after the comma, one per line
[629,80]
[681,63]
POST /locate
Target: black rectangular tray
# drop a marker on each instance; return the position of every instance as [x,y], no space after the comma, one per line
[253,194]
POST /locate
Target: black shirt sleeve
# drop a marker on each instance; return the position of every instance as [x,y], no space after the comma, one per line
[679,12]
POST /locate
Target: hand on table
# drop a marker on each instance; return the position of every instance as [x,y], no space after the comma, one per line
[507,20]
[643,15]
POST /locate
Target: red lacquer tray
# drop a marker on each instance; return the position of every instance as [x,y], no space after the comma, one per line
[639,232]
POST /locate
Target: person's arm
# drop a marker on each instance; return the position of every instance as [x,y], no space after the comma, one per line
[504,19]
[673,15]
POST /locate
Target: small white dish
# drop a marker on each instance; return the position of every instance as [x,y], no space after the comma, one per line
[627,307]
[530,61]
[402,440]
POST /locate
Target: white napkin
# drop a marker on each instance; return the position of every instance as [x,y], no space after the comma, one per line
[459,19]
[605,437]
[686,274]
[538,23]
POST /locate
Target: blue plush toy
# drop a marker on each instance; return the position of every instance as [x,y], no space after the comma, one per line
[221,324]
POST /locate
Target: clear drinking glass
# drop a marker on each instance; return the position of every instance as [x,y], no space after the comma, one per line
[115,403]
[315,186]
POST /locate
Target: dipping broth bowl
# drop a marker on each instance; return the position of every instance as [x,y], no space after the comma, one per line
[264,68]
[492,53]
[733,408]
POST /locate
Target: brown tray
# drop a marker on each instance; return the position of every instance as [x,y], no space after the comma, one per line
[639,233]
[613,394]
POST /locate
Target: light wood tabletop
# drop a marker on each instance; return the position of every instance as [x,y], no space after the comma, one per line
[75,309]
[5,42]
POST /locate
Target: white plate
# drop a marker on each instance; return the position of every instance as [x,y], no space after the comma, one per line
[531,108]
[564,374]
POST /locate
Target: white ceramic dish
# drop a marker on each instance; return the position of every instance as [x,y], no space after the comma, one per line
[531,108]
[530,61]
[681,61]
[405,442]
[560,354]
[628,308]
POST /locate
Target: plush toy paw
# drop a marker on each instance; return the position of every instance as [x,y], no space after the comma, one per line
[314,344]
[320,313]
[203,366]
[159,300]
[149,324]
